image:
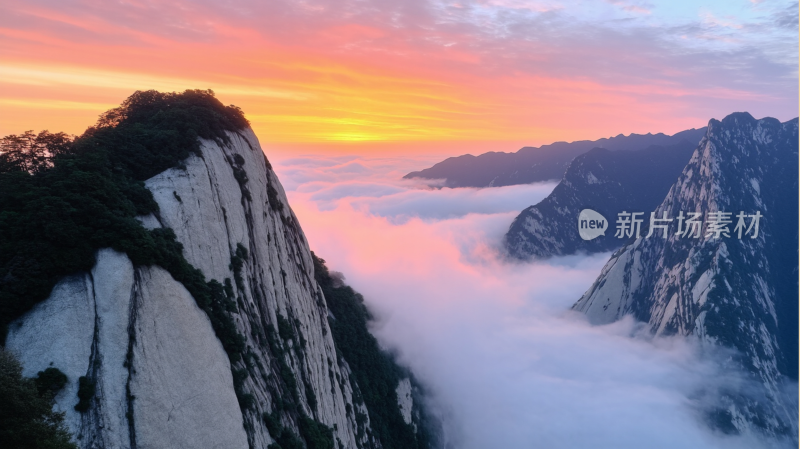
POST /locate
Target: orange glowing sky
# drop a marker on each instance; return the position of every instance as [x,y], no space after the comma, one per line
[417,75]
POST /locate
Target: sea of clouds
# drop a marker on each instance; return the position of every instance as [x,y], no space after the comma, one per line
[506,363]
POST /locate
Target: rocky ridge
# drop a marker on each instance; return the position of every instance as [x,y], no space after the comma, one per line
[738,294]
[159,374]
[605,181]
[537,164]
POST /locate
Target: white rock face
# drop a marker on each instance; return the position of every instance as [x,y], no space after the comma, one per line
[162,377]
[404,400]
[178,372]
[211,214]
[58,333]
[181,375]
[113,279]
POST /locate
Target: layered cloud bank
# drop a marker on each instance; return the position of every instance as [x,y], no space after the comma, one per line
[506,362]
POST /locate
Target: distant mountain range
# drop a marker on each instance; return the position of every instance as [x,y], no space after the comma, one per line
[730,292]
[605,181]
[537,164]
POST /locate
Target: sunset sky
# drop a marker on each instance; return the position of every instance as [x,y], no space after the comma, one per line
[347,96]
[406,76]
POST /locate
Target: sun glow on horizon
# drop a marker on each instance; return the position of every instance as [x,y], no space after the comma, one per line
[416,74]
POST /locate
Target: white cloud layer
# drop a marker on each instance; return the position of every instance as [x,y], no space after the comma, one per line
[507,364]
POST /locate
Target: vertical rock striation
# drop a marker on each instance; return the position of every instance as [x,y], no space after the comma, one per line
[740,294]
[162,377]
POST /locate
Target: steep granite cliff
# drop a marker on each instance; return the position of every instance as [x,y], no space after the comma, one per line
[255,366]
[737,293]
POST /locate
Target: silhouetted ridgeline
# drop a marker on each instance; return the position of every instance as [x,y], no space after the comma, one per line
[537,164]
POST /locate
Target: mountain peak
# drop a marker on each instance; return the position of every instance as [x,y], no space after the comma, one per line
[208,322]
[737,291]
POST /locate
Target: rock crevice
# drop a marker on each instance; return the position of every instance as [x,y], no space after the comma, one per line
[161,375]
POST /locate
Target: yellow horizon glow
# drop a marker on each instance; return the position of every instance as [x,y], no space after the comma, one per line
[355,108]
[297,94]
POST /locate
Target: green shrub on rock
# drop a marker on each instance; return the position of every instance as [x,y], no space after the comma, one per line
[50,381]
[27,419]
